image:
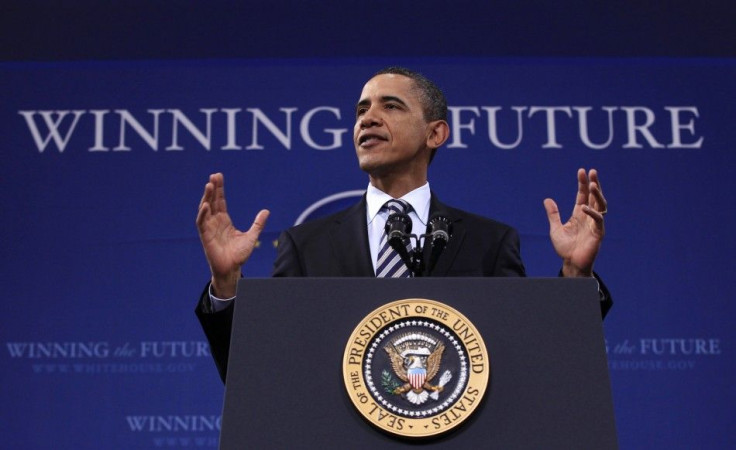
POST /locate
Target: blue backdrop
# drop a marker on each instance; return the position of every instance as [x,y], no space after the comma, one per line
[104,264]
[104,162]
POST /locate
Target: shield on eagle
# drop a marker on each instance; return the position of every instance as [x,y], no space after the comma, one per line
[416,376]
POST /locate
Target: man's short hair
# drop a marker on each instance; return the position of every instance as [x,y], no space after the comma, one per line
[434,104]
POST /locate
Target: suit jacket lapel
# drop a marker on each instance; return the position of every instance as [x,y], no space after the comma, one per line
[447,258]
[350,242]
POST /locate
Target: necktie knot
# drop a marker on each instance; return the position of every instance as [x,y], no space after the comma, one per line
[397,206]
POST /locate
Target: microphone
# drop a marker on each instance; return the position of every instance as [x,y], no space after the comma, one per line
[439,230]
[398,227]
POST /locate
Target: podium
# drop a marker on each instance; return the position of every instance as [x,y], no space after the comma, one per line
[549,385]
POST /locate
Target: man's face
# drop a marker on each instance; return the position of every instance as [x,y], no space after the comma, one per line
[390,133]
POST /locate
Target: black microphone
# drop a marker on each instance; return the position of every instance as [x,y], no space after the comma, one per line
[439,231]
[398,227]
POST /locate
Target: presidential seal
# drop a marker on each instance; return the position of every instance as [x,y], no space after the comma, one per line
[416,368]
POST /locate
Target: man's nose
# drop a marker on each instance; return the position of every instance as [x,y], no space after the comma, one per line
[370,119]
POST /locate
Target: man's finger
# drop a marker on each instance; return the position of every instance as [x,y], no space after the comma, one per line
[597,218]
[204,211]
[218,199]
[214,182]
[207,197]
[583,191]
[593,177]
[553,213]
[260,222]
[600,200]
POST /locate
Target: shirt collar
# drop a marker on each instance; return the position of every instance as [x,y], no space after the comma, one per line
[418,199]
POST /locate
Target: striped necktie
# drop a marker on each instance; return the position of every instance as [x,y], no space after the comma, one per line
[389,263]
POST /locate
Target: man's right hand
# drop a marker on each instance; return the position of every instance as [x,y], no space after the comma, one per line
[225,247]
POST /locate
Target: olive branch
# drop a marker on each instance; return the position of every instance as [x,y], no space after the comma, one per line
[389,383]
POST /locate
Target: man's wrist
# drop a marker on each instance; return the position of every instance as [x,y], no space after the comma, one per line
[217,304]
[571,271]
[224,288]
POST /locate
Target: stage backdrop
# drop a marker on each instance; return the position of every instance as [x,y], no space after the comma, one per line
[104,165]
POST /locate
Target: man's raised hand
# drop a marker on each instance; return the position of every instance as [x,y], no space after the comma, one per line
[578,240]
[225,247]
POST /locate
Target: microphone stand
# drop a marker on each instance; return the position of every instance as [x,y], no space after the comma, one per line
[398,229]
[414,259]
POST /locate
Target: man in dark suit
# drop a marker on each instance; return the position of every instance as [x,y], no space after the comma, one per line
[401,121]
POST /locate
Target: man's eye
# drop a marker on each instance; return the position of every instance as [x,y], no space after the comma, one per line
[360,111]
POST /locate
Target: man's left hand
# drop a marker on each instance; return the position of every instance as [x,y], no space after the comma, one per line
[578,241]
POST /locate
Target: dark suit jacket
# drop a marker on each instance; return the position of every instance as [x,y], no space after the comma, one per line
[337,246]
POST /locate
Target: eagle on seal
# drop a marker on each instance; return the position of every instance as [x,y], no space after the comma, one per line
[416,368]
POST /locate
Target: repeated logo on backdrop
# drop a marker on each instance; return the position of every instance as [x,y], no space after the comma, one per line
[107,358]
[657,354]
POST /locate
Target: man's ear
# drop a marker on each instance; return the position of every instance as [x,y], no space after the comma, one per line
[439,131]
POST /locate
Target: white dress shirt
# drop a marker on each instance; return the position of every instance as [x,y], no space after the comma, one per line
[375,199]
